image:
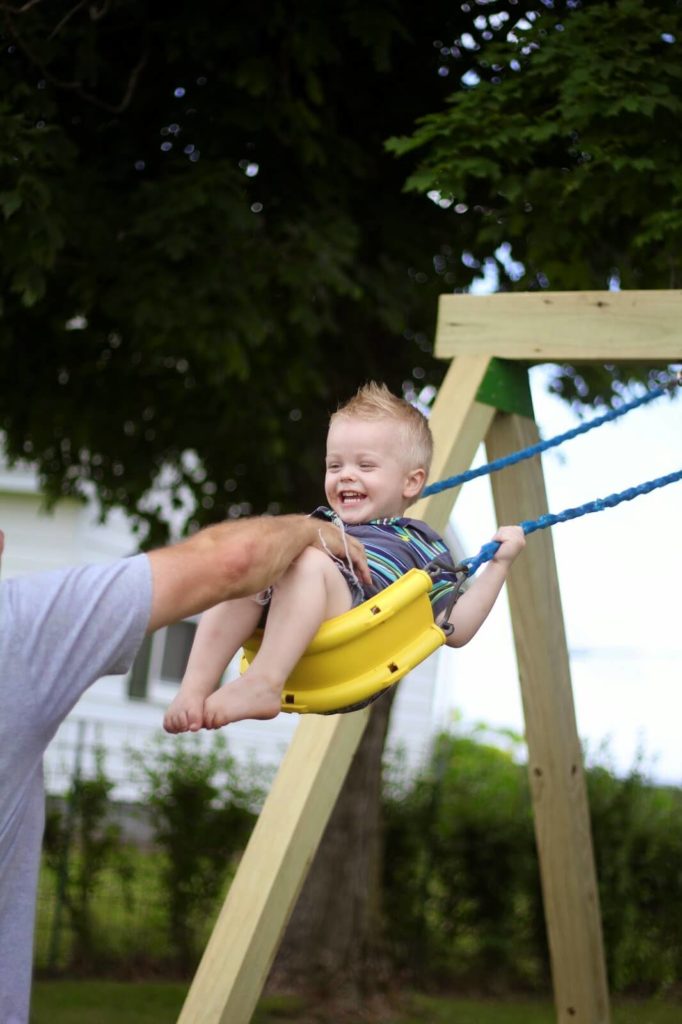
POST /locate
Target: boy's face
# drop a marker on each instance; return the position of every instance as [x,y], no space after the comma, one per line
[367,477]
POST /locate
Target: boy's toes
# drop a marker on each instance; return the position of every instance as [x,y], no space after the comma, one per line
[195,720]
[175,722]
[211,717]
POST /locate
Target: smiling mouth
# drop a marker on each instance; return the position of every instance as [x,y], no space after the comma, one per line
[351,497]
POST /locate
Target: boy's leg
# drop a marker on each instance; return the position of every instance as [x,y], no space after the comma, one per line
[311,591]
[220,633]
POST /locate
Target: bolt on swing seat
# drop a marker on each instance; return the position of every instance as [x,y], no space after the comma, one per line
[354,656]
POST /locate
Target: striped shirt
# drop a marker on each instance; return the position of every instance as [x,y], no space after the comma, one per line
[393,547]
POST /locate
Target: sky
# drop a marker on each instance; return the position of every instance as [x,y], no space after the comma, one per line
[620,573]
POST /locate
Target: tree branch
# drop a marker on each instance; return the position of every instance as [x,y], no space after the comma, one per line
[67,16]
[21,10]
[75,86]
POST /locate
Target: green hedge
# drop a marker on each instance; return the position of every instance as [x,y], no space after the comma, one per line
[461,879]
[105,905]
[461,884]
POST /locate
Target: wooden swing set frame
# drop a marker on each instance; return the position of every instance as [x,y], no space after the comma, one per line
[490,340]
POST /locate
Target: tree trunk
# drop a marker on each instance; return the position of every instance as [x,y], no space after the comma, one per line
[334,940]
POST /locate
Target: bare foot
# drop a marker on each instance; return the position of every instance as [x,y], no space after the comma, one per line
[185,714]
[246,697]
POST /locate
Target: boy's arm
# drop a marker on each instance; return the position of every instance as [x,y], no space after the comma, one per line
[236,559]
[474,605]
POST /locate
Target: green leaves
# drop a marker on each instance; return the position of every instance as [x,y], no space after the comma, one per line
[582,137]
[230,231]
[213,195]
[462,883]
[182,784]
[10,202]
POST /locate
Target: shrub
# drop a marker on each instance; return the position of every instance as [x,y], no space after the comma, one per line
[202,809]
[461,879]
[80,845]
[637,830]
[460,871]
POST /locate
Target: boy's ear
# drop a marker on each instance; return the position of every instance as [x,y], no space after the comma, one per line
[414,482]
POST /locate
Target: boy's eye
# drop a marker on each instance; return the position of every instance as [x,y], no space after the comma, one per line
[367,465]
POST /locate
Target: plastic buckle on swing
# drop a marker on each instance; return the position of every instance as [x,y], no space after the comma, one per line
[437,568]
[461,574]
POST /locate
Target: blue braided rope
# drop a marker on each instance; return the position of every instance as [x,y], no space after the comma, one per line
[488,550]
[542,446]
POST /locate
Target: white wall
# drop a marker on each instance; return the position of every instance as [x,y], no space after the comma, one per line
[70,534]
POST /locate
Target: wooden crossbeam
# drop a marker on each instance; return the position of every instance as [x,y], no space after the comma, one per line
[547,327]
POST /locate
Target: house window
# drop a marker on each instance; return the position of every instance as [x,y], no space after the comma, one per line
[161,659]
[179,639]
[139,675]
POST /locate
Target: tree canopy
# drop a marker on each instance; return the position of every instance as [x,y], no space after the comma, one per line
[560,153]
[206,243]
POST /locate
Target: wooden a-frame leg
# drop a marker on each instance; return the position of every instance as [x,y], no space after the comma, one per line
[246,936]
[562,823]
[458,424]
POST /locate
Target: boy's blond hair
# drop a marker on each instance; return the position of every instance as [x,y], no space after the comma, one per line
[375,402]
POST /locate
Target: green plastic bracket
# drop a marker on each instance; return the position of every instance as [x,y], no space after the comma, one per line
[506,387]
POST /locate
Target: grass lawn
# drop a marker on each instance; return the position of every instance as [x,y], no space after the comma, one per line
[110,1002]
[106,1002]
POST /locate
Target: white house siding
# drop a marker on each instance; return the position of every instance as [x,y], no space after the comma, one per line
[106,718]
[70,534]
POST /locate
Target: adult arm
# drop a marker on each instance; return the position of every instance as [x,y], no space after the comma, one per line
[236,559]
[475,604]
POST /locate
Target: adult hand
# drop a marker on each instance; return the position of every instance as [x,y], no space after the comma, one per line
[332,540]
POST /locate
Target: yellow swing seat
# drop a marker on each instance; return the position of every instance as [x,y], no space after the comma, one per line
[356,655]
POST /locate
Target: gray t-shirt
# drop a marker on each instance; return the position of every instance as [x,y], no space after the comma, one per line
[59,632]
